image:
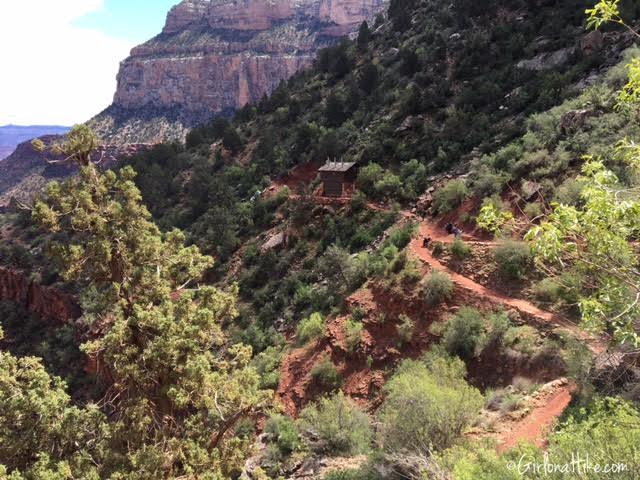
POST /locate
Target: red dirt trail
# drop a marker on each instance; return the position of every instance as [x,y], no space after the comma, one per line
[532,428]
[535,427]
[436,234]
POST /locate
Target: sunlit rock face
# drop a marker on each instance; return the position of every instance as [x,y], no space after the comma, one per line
[214,56]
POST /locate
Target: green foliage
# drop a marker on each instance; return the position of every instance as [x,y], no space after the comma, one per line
[368,78]
[437,288]
[353,334]
[605,11]
[594,243]
[532,210]
[232,141]
[514,259]
[38,418]
[341,427]
[267,365]
[472,462]
[608,429]
[449,196]
[177,386]
[523,339]
[463,333]
[56,345]
[342,270]
[469,333]
[493,219]
[364,36]
[459,250]
[77,147]
[310,328]
[284,434]
[427,406]
[405,328]
[326,373]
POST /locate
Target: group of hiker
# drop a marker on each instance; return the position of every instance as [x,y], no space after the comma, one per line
[450,228]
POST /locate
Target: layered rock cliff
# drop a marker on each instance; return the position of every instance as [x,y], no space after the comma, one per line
[214,56]
[46,302]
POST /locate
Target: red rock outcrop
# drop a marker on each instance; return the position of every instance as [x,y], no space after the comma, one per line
[217,55]
[46,302]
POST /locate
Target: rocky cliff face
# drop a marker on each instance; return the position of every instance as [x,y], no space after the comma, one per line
[46,302]
[214,56]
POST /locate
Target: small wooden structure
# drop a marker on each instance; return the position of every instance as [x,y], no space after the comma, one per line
[335,175]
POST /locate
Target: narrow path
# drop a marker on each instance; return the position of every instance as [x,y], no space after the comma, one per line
[427,230]
[535,427]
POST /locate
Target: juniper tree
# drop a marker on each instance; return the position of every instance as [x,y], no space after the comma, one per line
[177,387]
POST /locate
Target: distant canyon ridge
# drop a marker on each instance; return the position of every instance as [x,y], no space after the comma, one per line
[13,135]
[214,56]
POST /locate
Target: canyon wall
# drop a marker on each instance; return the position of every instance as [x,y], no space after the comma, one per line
[215,56]
[46,302]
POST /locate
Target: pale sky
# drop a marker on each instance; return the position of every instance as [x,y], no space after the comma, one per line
[59,58]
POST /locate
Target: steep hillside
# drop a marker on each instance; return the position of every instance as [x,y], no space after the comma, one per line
[215,56]
[403,330]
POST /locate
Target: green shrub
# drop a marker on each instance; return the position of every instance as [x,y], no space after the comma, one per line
[310,328]
[473,461]
[608,429]
[438,249]
[564,289]
[339,425]
[369,471]
[494,216]
[437,288]
[569,192]
[511,402]
[284,434]
[353,334]
[498,325]
[401,236]
[523,339]
[267,364]
[405,329]
[368,176]
[459,250]
[326,373]
[514,259]
[427,407]
[532,210]
[463,333]
[449,196]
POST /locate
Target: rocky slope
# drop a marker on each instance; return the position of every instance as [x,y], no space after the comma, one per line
[214,56]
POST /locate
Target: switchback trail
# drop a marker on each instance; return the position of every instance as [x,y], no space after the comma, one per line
[426,230]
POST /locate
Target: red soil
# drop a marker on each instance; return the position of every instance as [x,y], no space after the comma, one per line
[363,370]
[535,427]
[300,176]
[523,306]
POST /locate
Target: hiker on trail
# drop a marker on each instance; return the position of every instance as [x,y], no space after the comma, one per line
[425,242]
[456,232]
[449,228]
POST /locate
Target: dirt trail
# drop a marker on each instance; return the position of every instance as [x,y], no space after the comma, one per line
[430,230]
[535,427]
